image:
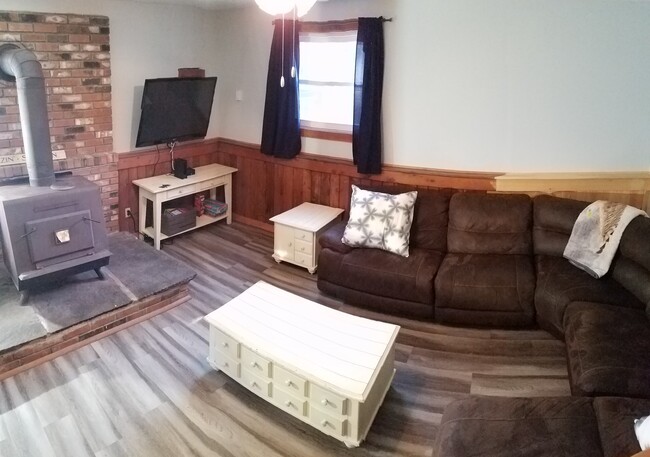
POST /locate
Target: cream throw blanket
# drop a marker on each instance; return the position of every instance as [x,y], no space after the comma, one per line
[596,235]
[642,430]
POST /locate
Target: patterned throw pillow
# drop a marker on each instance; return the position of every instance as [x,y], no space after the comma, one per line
[381,221]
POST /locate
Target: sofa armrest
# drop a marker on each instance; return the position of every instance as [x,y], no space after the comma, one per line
[331,238]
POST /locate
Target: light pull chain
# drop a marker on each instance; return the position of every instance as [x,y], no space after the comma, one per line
[293,45]
[282,77]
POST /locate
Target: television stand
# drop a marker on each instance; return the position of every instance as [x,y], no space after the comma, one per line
[159,189]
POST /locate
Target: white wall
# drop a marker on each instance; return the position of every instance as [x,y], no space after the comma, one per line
[489,85]
[147,41]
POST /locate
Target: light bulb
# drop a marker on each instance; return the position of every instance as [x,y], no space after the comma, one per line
[275,7]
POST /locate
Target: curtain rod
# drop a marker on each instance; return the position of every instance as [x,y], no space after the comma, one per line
[341,21]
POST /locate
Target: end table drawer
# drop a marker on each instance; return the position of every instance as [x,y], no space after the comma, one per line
[303,247]
[303,259]
[223,343]
[303,235]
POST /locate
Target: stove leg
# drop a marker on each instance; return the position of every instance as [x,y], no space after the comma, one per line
[100,274]
[24,297]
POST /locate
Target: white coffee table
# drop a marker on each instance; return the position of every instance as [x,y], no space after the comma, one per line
[327,368]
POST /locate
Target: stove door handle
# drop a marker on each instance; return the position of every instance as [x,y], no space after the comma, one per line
[28,233]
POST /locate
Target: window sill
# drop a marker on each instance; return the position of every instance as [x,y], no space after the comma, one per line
[323,134]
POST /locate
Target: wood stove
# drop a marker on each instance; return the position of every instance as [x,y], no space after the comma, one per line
[52,226]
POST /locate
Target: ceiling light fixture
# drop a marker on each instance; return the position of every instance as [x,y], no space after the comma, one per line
[276,7]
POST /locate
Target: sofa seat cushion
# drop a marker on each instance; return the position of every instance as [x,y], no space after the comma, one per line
[485,290]
[519,427]
[559,283]
[608,350]
[385,274]
[615,417]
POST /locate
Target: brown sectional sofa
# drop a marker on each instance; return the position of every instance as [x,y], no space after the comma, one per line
[496,260]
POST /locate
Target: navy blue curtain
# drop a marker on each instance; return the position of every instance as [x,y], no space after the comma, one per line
[368,86]
[281,127]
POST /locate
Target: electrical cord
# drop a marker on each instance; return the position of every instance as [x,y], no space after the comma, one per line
[157,160]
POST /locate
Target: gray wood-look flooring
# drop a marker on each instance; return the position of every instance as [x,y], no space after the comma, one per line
[148,390]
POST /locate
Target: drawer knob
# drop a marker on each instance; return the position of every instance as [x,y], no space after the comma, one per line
[324,423]
[288,404]
[224,344]
[324,402]
[253,384]
[288,383]
[225,364]
[289,244]
[253,364]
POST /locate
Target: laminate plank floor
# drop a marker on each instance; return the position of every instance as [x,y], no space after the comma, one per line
[148,390]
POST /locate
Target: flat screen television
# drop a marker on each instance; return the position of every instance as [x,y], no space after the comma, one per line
[175,109]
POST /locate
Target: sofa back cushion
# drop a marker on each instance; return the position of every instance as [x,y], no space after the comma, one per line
[490,224]
[429,229]
[631,268]
[430,217]
[553,220]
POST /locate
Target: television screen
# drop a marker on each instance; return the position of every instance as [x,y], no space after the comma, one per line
[175,109]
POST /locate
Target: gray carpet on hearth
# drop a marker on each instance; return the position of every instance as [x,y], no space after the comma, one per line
[135,270]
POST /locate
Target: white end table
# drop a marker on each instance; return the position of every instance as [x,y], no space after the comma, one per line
[296,233]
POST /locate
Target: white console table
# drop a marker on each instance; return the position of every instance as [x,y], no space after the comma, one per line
[159,189]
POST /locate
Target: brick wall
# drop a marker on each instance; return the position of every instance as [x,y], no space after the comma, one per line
[74,51]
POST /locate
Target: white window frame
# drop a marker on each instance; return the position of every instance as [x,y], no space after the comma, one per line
[330,36]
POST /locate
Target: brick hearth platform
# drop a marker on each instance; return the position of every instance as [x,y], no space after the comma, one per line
[33,353]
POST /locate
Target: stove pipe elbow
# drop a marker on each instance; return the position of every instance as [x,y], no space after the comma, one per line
[32,103]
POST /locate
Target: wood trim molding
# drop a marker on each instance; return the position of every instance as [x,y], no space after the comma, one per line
[330,135]
[391,173]
[627,187]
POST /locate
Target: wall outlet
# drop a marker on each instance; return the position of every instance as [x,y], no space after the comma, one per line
[127,212]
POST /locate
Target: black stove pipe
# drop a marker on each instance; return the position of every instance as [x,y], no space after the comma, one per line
[21,64]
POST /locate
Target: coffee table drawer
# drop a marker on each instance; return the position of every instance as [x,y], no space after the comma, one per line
[226,364]
[327,423]
[255,383]
[288,382]
[327,401]
[255,363]
[290,403]
[223,343]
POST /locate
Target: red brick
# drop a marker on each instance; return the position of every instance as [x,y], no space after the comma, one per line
[45,28]
[20,27]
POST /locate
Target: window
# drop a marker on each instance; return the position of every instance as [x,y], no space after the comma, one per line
[327,60]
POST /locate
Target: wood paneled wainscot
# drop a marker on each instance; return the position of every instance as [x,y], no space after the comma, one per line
[265,186]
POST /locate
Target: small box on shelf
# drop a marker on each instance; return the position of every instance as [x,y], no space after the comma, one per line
[176,220]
